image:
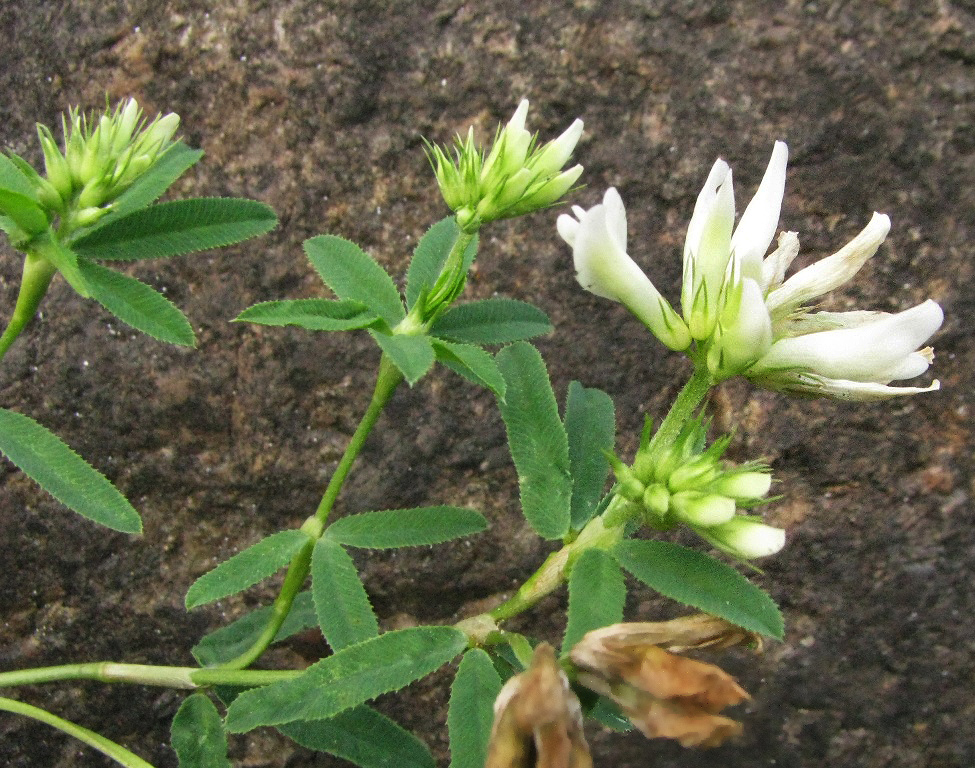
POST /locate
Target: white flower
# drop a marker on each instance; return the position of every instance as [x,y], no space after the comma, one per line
[598,240]
[745,537]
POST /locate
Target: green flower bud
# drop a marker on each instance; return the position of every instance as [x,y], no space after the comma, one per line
[702,509]
[743,486]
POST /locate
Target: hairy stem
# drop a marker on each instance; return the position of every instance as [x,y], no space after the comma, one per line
[387,380]
[689,398]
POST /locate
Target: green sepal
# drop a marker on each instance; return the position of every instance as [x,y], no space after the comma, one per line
[348,678]
[537,439]
[177,227]
[136,304]
[50,463]
[491,321]
[430,256]
[590,424]
[412,355]
[197,734]
[417,527]
[471,710]
[471,362]
[702,582]
[231,641]
[247,568]
[352,274]
[364,737]
[341,603]
[311,314]
[597,594]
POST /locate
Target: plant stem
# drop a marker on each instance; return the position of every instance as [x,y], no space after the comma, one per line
[36,278]
[680,412]
[187,678]
[107,747]
[388,378]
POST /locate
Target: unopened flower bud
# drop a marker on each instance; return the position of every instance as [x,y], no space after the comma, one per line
[745,537]
[656,498]
[703,509]
[743,486]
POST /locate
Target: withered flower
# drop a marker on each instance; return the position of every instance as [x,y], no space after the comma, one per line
[538,720]
[664,695]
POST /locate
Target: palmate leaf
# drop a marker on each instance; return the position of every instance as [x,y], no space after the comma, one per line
[341,603]
[471,711]
[597,593]
[352,274]
[246,568]
[412,355]
[43,457]
[136,304]
[364,737]
[231,641]
[538,442]
[471,362]
[312,314]
[393,528]
[348,678]
[590,423]
[197,734]
[174,228]
[431,255]
[700,581]
[491,321]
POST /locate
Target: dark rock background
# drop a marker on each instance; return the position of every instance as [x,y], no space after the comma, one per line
[318,108]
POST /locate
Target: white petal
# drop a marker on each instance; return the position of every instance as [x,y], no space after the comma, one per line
[777,262]
[746,538]
[705,201]
[761,218]
[745,332]
[810,385]
[567,227]
[833,271]
[876,351]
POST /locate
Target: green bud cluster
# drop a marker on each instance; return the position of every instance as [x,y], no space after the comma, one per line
[102,156]
[516,177]
[687,483]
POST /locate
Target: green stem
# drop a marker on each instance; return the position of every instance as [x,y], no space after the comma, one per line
[388,378]
[37,275]
[107,747]
[450,283]
[682,410]
[187,678]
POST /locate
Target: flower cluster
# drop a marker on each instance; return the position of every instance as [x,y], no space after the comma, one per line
[686,483]
[664,695]
[516,177]
[102,157]
[740,315]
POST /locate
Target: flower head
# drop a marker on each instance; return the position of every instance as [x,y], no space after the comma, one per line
[514,178]
[664,695]
[740,313]
[538,720]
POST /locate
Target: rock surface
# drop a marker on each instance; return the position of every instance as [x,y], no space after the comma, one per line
[318,108]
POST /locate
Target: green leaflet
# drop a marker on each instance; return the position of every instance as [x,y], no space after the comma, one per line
[348,678]
[364,737]
[43,457]
[471,362]
[341,603]
[429,257]
[471,711]
[352,274]
[597,593]
[14,179]
[231,641]
[197,734]
[63,258]
[23,211]
[312,314]
[246,568]
[392,528]
[701,582]
[590,423]
[412,355]
[538,442]
[174,228]
[491,321]
[135,303]
[173,163]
